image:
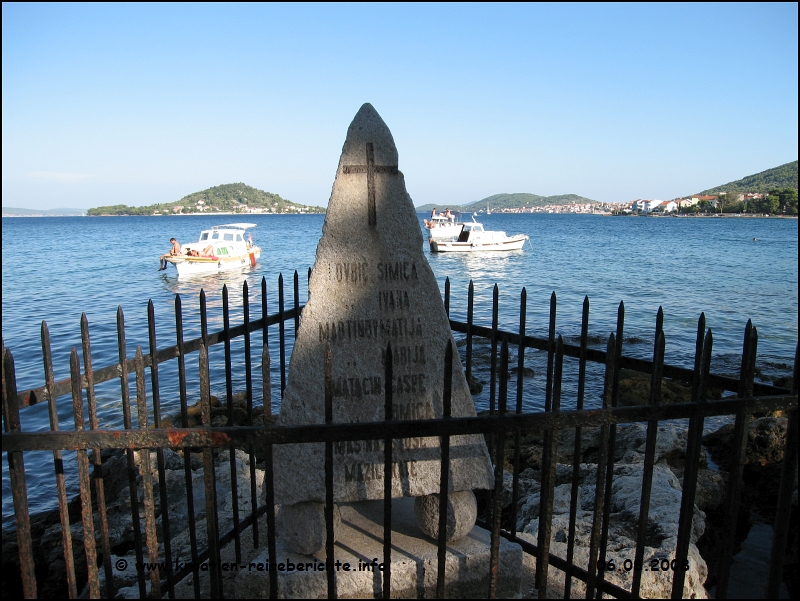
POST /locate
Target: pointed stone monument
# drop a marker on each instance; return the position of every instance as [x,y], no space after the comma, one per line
[371,284]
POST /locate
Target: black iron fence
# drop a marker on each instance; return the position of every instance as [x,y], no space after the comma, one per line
[505,422]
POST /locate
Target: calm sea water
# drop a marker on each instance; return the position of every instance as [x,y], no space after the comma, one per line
[56,268]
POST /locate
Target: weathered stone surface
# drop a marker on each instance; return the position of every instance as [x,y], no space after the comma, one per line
[634,389]
[661,536]
[711,489]
[629,446]
[302,526]
[654,585]
[371,285]
[766,440]
[414,562]
[462,511]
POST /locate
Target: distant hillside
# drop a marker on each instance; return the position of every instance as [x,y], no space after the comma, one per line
[523,199]
[14,211]
[513,201]
[784,176]
[238,198]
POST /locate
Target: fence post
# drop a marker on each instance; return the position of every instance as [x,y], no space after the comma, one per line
[576,455]
[780,529]
[16,470]
[739,447]
[599,491]
[58,465]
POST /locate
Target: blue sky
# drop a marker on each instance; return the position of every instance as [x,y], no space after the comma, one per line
[137,104]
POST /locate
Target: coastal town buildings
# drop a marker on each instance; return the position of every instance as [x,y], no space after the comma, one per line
[587,208]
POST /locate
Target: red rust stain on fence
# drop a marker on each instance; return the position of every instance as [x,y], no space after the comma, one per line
[219,438]
[176,437]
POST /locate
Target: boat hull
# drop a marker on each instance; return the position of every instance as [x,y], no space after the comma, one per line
[188,266]
[511,243]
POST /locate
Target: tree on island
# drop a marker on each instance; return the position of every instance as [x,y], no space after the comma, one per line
[787,200]
[779,200]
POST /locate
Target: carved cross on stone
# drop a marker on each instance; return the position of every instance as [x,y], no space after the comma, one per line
[370,169]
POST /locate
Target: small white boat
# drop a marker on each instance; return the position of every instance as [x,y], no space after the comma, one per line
[441,227]
[221,248]
[473,237]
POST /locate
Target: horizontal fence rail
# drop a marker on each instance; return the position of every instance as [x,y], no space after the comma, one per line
[504,423]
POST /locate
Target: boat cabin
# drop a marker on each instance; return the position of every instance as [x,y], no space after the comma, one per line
[469,229]
[227,239]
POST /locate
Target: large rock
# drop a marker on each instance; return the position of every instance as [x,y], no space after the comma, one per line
[371,285]
[634,389]
[662,531]
[462,510]
[766,441]
[629,446]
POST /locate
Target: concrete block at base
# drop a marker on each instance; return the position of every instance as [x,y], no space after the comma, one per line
[414,561]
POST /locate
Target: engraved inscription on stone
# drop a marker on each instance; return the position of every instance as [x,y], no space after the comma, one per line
[371,285]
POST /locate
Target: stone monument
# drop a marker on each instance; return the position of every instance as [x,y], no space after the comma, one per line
[370,285]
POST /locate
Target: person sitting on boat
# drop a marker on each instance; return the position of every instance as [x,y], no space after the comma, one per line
[175,250]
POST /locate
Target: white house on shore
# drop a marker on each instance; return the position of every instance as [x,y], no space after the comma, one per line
[667,206]
[645,206]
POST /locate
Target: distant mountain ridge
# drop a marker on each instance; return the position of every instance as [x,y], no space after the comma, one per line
[37,212]
[784,176]
[512,201]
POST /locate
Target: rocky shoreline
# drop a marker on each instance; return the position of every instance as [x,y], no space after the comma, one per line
[766,440]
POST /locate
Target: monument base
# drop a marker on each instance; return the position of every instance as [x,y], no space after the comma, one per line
[414,561]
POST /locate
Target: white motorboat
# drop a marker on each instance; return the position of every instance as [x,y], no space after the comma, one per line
[221,248]
[442,227]
[473,237]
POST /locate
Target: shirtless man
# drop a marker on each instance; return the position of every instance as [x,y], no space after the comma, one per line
[175,250]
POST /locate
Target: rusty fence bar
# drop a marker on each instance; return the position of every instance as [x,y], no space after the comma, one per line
[498,426]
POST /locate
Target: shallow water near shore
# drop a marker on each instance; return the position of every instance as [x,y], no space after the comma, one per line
[56,268]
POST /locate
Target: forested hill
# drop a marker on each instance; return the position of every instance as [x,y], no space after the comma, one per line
[513,201]
[233,195]
[523,199]
[784,176]
[238,198]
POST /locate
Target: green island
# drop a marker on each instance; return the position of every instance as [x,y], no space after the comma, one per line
[227,198]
